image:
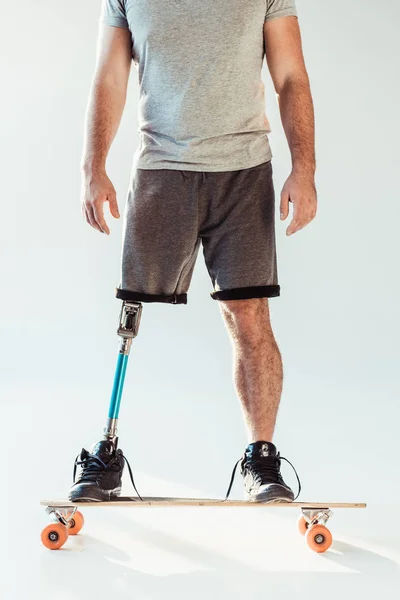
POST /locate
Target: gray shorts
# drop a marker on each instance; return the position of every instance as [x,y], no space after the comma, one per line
[169,213]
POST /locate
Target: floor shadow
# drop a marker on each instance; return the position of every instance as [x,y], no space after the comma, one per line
[361,560]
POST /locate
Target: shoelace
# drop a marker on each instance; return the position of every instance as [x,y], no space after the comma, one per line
[92,464]
[263,468]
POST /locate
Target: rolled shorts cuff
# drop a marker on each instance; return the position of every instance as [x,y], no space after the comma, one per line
[139,297]
[246,293]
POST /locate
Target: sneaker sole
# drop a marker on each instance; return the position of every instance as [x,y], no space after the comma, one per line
[106,496]
[272,495]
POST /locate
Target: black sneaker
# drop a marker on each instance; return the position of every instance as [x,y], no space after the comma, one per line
[261,470]
[101,474]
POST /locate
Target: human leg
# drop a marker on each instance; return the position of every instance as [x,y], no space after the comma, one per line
[238,236]
[257,364]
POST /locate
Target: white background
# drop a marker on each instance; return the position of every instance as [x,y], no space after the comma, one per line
[336,322]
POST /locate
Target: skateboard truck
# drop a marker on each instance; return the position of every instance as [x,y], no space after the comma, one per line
[314,516]
[129,322]
[61,514]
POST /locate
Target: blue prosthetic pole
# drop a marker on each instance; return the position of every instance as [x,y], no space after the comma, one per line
[118,386]
[128,329]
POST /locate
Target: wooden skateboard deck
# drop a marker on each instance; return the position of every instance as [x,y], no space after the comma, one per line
[148,501]
[68,520]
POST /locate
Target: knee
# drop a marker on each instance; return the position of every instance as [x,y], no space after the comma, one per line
[247,319]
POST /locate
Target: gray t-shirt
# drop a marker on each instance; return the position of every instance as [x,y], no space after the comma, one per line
[201,100]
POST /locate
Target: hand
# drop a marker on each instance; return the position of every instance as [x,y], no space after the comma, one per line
[299,189]
[96,190]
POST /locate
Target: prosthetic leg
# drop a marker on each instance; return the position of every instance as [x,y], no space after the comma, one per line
[128,329]
[102,467]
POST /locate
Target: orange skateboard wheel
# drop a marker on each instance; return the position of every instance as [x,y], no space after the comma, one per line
[302,525]
[319,538]
[76,523]
[54,536]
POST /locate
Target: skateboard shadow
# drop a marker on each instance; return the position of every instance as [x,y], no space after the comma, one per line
[92,567]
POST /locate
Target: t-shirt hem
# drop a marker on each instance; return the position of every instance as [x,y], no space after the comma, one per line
[115,22]
[174,165]
[283,12]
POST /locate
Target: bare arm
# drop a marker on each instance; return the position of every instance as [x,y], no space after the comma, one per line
[286,64]
[106,104]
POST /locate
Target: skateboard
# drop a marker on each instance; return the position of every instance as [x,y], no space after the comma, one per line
[68,520]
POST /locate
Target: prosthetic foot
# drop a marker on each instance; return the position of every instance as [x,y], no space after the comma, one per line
[101,468]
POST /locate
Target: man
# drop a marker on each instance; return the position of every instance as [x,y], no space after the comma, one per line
[202,174]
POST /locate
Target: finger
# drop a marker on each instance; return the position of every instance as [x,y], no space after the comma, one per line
[91,218]
[98,211]
[296,220]
[113,205]
[292,228]
[86,216]
[297,227]
[300,219]
[284,206]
